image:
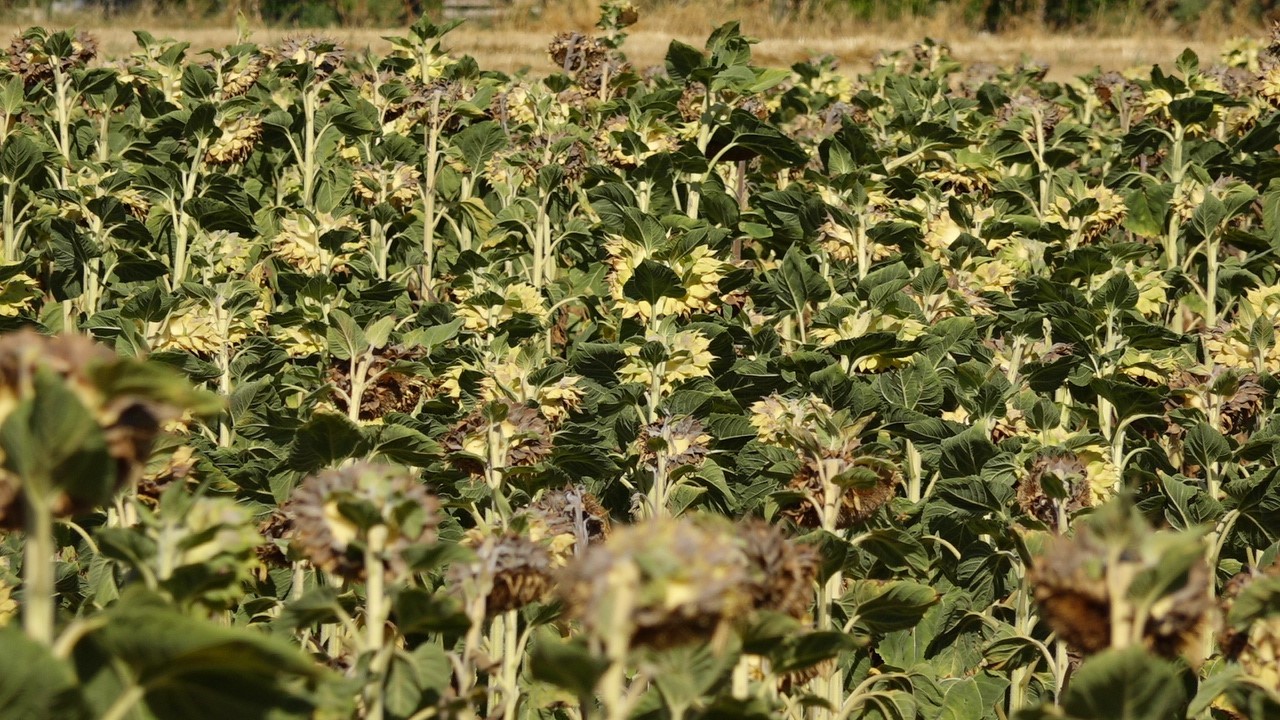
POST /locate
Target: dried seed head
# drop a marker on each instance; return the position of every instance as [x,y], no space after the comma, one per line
[236,141]
[868,483]
[393,388]
[130,423]
[1070,586]
[785,570]
[275,529]
[572,513]
[333,537]
[690,104]
[395,184]
[240,75]
[324,56]
[1054,471]
[510,570]
[683,580]
[682,442]
[574,52]
[521,438]
[34,55]
[175,468]
[1073,583]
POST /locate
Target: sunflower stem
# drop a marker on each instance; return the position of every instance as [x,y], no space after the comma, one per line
[38,567]
[376,620]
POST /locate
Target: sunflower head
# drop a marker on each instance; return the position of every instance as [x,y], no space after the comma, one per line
[1055,485]
[661,584]
[569,519]
[785,572]
[1115,567]
[681,443]
[864,484]
[502,434]
[125,398]
[507,571]
[333,511]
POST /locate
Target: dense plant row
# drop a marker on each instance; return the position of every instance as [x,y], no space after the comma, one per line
[709,390]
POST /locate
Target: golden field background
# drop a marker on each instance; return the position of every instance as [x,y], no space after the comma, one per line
[520,42]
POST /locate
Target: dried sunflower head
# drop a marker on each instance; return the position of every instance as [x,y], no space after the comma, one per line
[322,55]
[502,434]
[568,518]
[393,183]
[391,384]
[130,414]
[1115,567]
[785,571]
[507,571]
[865,483]
[238,73]
[680,442]
[333,511]
[661,584]
[36,54]
[1249,637]
[1055,486]
[275,528]
[236,140]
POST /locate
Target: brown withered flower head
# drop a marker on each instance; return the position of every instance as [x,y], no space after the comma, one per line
[176,467]
[32,57]
[691,101]
[1252,642]
[1064,469]
[324,56]
[684,580]
[1032,108]
[275,528]
[391,387]
[130,423]
[333,538]
[573,51]
[1073,581]
[872,483]
[682,442]
[520,438]
[392,183]
[569,512]
[509,570]
[785,571]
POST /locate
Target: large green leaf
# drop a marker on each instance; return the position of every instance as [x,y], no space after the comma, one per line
[34,685]
[1126,684]
[170,665]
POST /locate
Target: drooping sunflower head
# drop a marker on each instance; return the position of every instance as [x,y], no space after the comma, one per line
[1056,485]
[333,511]
[501,434]
[864,483]
[322,55]
[507,570]
[569,519]
[130,415]
[37,54]
[681,443]
[785,571]
[661,584]
[1156,583]
[236,139]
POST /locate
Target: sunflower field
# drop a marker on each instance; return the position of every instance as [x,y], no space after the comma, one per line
[340,385]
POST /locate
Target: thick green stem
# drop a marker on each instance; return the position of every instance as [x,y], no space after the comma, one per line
[376,608]
[38,571]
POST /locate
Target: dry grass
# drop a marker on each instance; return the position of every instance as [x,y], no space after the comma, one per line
[521,41]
